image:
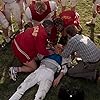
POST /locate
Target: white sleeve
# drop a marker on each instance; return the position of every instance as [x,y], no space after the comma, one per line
[53,6]
[64,67]
[28,14]
[66,62]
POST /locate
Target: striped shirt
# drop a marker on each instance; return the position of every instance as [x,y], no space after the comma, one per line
[84,47]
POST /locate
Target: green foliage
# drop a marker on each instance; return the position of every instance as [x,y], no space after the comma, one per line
[7,87]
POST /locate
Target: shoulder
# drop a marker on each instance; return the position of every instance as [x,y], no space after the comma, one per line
[52,3]
[74,39]
[42,31]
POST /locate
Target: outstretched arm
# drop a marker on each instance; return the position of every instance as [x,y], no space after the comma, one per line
[57,80]
[62,72]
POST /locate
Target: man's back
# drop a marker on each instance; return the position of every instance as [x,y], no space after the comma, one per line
[84,47]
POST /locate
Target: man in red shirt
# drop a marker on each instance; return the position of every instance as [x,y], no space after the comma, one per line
[64,19]
[70,17]
[40,10]
[28,44]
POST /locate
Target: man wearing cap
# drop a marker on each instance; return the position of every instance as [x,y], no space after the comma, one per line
[44,75]
[28,44]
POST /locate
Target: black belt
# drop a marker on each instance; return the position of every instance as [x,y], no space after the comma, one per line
[93,62]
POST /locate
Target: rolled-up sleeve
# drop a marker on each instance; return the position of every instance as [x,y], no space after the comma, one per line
[64,67]
[68,49]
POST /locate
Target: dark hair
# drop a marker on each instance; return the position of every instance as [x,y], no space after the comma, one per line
[47,23]
[71,30]
[28,25]
[63,40]
[58,21]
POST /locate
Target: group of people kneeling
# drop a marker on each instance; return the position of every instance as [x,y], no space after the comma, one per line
[32,43]
[55,42]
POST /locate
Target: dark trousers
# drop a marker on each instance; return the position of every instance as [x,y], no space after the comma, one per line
[84,70]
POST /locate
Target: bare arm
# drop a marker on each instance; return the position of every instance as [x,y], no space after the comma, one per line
[62,73]
[57,80]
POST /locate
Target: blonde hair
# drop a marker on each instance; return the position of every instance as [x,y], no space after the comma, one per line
[1,6]
[40,6]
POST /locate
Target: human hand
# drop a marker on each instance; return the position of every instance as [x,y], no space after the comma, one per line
[58,48]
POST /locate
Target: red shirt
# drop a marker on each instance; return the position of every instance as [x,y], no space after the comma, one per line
[70,17]
[35,15]
[32,42]
[53,37]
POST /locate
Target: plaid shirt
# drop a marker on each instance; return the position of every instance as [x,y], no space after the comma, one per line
[84,47]
[8,1]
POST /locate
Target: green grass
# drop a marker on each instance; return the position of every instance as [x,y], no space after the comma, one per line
[7,87]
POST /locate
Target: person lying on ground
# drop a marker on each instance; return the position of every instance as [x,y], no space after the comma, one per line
[44,75]
[28,44]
